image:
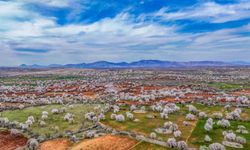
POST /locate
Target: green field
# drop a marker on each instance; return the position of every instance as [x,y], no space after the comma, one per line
[53,120]
[145,126]
[228,86]
[197,136]
[194,134]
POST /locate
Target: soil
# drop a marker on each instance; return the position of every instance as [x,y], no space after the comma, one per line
[57,144]
[107,142]
[241,92]
[9,142]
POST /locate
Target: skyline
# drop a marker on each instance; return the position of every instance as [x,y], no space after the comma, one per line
[75,31]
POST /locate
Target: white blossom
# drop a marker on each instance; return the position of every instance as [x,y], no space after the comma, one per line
[216,146]
[171,143]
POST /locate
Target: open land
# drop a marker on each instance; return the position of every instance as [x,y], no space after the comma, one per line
[125,109]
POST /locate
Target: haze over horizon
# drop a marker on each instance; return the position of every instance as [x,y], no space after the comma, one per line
[74,31]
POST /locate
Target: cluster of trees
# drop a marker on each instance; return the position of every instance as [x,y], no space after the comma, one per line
[181,145]
[69,117]
[234,115]
[209,124]
[232,137]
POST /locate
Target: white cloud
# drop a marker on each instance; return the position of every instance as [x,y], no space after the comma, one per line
[52,3]
[122,38]
[209,11]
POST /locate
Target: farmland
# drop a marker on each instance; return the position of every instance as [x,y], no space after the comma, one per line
[53,120]
[125,109]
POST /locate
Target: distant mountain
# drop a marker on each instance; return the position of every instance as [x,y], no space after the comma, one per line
[54,65]
[106,64]
[142,64]
[32,66]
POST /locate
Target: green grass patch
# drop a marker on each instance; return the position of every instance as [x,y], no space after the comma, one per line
[193,133]
[145,125]
[228,86]
[53,120]
[197,136]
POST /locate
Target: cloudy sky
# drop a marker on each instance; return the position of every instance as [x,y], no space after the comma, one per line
[75,31]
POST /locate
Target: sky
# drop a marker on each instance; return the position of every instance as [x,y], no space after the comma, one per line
[76,31]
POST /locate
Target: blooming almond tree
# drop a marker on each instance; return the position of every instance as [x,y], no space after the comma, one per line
[32,144]
[182,145]
[171,143]
[216,146]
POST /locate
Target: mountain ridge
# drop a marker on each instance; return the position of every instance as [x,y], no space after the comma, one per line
[142,64]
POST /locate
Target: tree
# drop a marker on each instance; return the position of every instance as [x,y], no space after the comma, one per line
[229,136]
[132,108]
[120,118]
[174,127]
[14,132]
[24,127]
[29,122]
[242,129]
[4,121]
[67,116]
[45,113]
[54,111]
[241,140]
[143,108]
[90,116]
[182,145]
[234,115]
[44,117]
[208,127]
[31,118]
[185,123]
[190,117]
[216,146]
[21,106]
[90,134]
[210,121]
[168,124]
[227,107]
[177,133]
[203,147]
[152,135]
[192,109]
[32,144]
[164,115]
[217,115]
[223,123]
[202,115]
[130,116]
[171,143]
[112,116]
[73,138]
[42,124]
[101,116]
[207,138]
[116,109]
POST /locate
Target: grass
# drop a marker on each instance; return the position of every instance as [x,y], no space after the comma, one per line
[197,136]
[78,110]
[32,80]
[228,86]
[193,134]
[145,126]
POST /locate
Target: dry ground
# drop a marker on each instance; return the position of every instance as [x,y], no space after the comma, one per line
[107,142]
[9,142]
[57,144]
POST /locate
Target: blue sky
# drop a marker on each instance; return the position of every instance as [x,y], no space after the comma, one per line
[76,31]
